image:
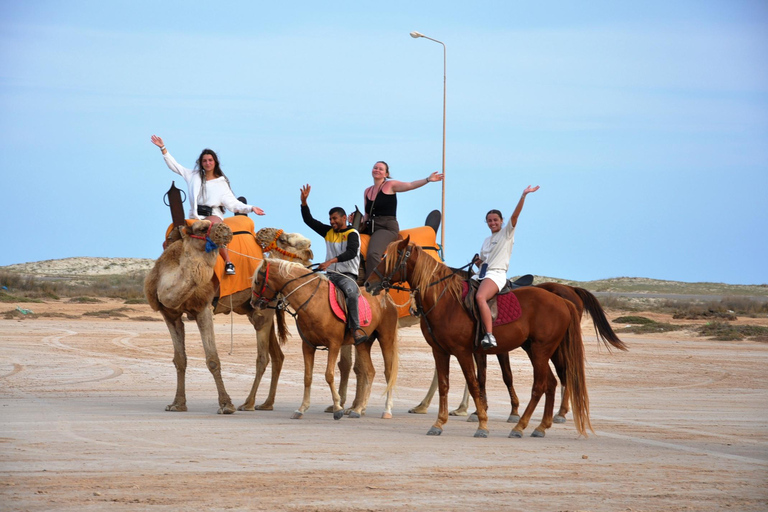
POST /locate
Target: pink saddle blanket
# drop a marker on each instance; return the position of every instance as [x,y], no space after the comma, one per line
[338,305]
[507,305]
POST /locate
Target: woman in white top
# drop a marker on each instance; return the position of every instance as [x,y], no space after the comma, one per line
[493,261]
[208,191]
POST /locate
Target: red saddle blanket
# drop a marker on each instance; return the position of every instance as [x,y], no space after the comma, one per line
[338,305]
[507,305]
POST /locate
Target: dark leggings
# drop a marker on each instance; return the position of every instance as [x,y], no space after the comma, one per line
[385,231]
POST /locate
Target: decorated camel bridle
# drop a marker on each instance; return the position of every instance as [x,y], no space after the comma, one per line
[272,246]
[210,245]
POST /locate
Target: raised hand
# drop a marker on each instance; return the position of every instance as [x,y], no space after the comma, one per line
[305,194]
[530,189]
[157,141]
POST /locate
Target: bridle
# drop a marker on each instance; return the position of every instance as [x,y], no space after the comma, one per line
[385,282]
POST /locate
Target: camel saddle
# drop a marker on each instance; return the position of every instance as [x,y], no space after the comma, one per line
[505,308]
[338,302]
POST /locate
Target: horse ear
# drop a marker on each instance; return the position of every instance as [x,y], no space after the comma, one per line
[406,241]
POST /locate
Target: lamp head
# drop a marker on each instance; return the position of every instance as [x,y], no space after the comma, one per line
[416,35]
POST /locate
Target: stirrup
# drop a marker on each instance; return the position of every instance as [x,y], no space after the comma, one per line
[488,342]
[359,338]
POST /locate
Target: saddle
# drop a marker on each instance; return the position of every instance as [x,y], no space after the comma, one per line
[505,308]
[338,302]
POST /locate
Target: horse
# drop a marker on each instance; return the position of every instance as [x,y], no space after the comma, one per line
[584,301]
[548,322]
[279,284]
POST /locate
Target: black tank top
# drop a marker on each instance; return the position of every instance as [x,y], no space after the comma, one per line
[383,205]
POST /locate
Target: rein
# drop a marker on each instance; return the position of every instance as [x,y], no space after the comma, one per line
[282,303]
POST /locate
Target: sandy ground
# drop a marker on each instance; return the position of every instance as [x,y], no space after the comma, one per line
[681,424]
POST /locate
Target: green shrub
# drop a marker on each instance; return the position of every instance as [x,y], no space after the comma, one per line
[634,320]
[723,331]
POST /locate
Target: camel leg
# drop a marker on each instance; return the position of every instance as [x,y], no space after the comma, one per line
[176,328]
[345,367]
[330,376]
[542,382]
[424,405]
[506,374]
[205,323]
[309,365]
[367,373]
[463,407]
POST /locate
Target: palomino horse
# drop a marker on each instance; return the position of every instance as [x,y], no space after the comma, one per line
[547,322]
[279,284]
[584,301]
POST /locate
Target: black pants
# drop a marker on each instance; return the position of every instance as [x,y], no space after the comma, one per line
[348,285]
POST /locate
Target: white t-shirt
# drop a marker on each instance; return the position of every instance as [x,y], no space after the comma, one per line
[218,194]
[497,249]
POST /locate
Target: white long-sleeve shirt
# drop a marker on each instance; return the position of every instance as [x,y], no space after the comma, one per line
[218,194]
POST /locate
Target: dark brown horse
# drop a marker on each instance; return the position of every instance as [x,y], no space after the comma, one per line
[547,323]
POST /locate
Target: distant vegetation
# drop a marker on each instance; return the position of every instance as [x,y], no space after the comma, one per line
[25,288]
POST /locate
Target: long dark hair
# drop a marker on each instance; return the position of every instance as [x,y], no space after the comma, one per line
[217,172]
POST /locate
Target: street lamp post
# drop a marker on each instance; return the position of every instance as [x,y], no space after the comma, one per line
[417,35]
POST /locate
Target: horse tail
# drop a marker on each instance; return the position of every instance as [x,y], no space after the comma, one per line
[603,328]
[573,352]
[282,329]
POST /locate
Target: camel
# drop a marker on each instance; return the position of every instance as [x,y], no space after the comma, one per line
[181,283]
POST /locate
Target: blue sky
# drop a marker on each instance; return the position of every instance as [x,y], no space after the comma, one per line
[645,124]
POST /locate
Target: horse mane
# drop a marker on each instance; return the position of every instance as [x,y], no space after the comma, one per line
[426,272]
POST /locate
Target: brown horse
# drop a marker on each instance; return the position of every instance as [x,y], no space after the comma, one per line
[280,284]
[547,323]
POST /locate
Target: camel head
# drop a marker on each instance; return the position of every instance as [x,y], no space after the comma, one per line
[285,246]
[220,234]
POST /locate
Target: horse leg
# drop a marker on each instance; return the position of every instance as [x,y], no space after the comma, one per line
[368,372]
[482,368]
[309,365]
[478,393]
[549,406]
[204,321]
[330,376]
[424,405]
[345,366]
[506,374]
[360,383]
[442,369]
[389,350]
[559,363]
[176,328]
[542,380]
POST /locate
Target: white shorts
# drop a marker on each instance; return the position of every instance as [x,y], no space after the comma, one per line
[498,277]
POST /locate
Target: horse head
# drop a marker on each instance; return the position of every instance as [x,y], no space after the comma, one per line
[393,267]
[262,294]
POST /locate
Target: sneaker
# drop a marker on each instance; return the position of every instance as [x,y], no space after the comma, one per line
[488,342]
[360,338]
[229,269]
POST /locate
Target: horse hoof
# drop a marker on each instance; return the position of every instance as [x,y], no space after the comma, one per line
[513,418]
[246,407]
[386,415]
[329,409]
[538,433]
[227,409]
[558,419]
[458,412]
[263,407]
[481,433]
[338,414]
[297,415]
[353,414]
[418,410]
[434,431]
[516,434]
[176,408]
[472,418]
